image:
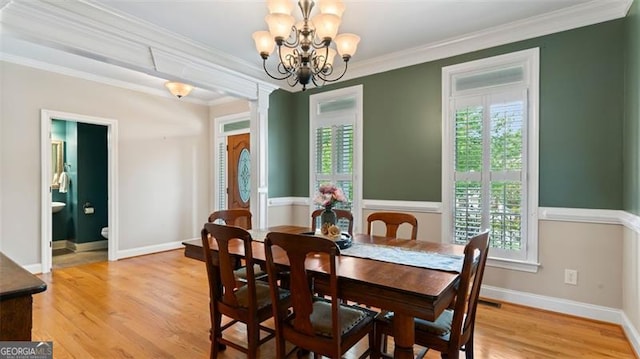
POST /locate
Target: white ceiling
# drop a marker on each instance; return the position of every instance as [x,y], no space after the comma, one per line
[394,33]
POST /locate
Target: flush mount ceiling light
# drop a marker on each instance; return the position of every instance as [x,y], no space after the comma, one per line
[304,50]
[178,89]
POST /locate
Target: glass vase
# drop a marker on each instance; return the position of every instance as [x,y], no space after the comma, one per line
[328,217]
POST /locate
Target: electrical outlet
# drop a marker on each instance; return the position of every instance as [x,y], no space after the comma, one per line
[571,276]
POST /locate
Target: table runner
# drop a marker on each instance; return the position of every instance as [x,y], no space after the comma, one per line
[399,255]
[406,256]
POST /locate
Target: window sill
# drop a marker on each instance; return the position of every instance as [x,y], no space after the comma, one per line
[512,264]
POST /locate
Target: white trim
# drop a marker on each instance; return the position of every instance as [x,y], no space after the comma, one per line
[530,61]
[88,246]
[104,80]
[355,116]
[289,201]
[60,244]
[34,268]
[632,333]
[605,216]
[412,206]
[218,138]
[112,181]
[565,306]
[566,19]
[156,248]
[512,264]
[630,221]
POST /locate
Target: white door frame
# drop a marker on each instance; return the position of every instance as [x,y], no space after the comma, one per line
[219,137]
[112,181]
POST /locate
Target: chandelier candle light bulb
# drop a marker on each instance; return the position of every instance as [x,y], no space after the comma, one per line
[305,52]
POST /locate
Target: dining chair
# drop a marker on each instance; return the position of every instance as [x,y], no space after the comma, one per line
[392,221]
[453,330]
[340,213]
[323,326]
[249,303]
[238,217]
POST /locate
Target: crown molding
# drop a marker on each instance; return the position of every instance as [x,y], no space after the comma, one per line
[86,29]
[18,60]
[590,13]
[92,30]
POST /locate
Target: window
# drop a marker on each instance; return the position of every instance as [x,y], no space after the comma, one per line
[336,145]
[490,138]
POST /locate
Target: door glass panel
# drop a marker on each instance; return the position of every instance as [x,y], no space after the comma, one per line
[244,175]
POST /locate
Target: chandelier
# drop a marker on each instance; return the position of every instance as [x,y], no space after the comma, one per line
[304,50]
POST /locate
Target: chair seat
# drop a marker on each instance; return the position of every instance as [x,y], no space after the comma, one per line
[263,295]
[350,317]
[241,273]
[440,327]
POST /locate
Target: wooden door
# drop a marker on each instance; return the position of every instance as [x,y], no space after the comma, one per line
[239,171]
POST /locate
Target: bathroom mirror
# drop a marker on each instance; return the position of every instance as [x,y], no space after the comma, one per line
[57,160]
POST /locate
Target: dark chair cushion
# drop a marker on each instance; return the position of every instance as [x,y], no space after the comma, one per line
[441,326]
[350,317]
[241,273]
[263,296]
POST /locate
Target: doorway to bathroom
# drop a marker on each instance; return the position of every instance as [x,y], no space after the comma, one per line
[78,187]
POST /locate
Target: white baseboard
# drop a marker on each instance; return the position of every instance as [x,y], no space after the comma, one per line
[34,268]
[60,244]
[88,246]
[553,304]
[127,253]
[632,334]
[565,306]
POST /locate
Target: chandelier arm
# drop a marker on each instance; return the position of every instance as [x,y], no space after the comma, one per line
[294,82]
[315,83]
[282,65]
[295,39]
[264,66]
[319,69]
[346,64]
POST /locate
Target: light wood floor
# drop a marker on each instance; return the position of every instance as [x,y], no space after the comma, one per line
[156,306]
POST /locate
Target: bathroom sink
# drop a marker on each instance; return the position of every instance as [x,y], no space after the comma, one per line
[57,206]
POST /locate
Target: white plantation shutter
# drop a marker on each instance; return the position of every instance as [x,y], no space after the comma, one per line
[488,169]
[334,158]
[490,155]
[334,144]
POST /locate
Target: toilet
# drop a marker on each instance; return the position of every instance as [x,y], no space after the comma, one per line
[105,232]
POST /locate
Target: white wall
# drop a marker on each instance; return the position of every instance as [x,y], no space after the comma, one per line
[163,158]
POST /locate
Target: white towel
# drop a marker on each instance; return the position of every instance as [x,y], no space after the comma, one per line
[63,181]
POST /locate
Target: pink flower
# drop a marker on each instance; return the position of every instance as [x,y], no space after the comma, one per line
[329,194]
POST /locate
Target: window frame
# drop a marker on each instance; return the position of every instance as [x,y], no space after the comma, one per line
[339,117]
[529,60]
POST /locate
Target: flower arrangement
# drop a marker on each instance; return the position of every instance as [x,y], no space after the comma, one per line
[328,195]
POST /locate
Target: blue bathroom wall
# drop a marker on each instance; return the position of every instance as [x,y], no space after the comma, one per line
[91,183]
[85,158]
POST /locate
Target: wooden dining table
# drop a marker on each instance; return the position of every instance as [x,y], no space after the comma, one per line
[409,291]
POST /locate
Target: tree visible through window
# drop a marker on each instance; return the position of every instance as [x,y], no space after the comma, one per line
[486,155]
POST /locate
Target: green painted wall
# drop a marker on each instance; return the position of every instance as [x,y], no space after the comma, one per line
[631,138]
[280,143]
[582,88]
